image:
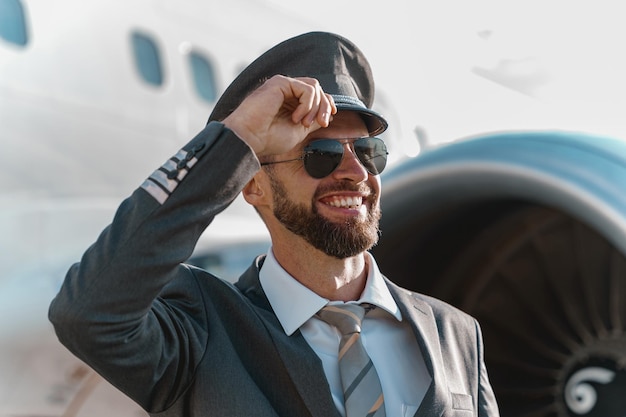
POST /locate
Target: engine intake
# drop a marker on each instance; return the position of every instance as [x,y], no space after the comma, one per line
[526,231]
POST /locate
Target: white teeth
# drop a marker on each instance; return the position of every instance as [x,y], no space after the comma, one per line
[346,202]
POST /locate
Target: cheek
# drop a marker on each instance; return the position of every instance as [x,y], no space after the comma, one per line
[376,185]
[292,184]
[302,192]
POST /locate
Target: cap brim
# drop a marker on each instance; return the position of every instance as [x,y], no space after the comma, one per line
[375,122]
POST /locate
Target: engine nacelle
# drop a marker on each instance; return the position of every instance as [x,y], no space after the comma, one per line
[526,231]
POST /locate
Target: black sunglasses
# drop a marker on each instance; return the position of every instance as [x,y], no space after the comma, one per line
[322,156]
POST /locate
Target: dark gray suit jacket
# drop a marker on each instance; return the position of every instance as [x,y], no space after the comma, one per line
[182,342]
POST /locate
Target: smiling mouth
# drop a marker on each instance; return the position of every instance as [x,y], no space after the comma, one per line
[345,202]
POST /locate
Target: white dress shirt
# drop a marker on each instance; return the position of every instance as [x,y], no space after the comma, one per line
[388,339]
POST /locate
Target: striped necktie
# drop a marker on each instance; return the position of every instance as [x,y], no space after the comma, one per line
[363,395]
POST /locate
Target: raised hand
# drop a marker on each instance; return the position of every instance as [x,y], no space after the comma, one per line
[281,113]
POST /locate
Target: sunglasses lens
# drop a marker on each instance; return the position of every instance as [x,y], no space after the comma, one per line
[321,157]
[372,152]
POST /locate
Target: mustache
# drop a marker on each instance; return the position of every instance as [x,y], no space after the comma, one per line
[361,188]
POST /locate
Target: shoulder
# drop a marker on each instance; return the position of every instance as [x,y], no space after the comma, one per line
[192,282]
[196,286]
[441,307]
[442,312]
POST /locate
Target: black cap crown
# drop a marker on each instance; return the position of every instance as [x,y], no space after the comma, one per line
[339,66]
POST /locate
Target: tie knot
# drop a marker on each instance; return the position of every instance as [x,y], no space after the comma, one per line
[347,317]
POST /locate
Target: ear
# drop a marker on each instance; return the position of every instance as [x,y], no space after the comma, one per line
[255,193]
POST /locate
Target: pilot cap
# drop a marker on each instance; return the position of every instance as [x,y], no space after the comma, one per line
[339,66]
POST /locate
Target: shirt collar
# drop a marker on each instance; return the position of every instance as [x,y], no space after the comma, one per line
[302,303]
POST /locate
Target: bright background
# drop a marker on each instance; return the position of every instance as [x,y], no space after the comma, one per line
[454,68]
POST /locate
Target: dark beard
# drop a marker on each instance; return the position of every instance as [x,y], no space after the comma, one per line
[341,240]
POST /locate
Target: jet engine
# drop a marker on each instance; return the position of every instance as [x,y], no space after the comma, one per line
[526,231]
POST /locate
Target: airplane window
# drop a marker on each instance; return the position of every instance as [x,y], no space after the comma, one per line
[203,76]
[147,58]
[13,22]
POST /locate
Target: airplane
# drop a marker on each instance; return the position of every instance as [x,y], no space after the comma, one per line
[94,95]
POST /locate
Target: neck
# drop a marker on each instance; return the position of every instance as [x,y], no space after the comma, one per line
[327,276]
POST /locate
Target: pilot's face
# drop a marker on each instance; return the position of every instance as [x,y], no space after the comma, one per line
[339,213]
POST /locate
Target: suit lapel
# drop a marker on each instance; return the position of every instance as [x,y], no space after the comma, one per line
[297,358]
[306,371]
[422,320]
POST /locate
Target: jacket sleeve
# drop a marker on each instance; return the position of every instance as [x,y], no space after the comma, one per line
[110,312]
[487,404]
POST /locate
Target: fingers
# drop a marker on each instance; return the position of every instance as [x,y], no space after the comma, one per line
[281,113]
[314,106]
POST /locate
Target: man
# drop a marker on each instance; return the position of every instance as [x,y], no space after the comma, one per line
[181,342]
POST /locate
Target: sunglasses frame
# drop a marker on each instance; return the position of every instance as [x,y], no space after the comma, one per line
[309,151]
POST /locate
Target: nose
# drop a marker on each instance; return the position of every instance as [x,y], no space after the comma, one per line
[350,168]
